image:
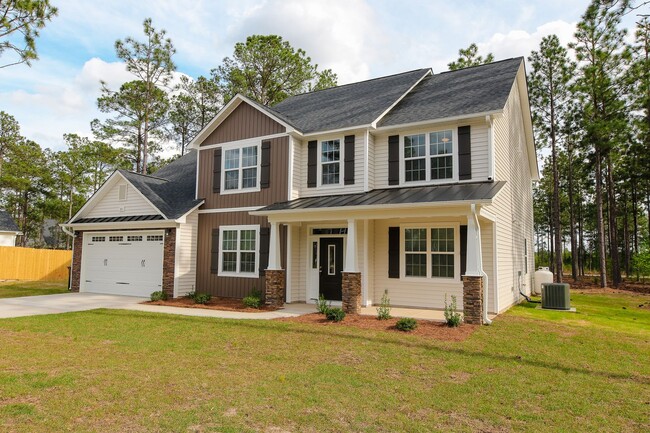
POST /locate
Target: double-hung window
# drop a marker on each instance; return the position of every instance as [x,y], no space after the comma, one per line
[330,159]
[429,252]
[428,156]
[240,168]
[239,250]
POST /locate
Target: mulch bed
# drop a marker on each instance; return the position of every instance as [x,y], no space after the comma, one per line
[426,328]
[216,303]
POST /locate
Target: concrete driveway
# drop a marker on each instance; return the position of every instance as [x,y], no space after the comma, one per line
[62,303]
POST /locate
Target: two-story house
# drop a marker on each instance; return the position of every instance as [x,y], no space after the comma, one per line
[418,185]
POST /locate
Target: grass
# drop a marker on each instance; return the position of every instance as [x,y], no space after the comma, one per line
[532,370]
[14,289]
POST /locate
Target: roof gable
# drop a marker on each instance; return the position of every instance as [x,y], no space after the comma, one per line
[7,223]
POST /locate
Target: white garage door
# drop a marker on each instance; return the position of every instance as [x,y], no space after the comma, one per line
[122,263]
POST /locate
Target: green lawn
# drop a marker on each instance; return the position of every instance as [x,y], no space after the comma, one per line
[14,289]
[538,371]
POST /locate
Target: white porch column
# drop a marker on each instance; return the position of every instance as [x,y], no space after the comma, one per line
[351,249]
[474,259]
[274,247]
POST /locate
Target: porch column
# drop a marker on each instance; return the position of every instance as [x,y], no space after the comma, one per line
[274,274]
[473,278]
[351,277]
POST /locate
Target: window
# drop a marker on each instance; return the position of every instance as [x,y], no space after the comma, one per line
[428,156]
[429,252]
[115,238]
[121,196]
[330,158]
[134,238]
[239,252]
[98,239]
[240,167]
[154,238]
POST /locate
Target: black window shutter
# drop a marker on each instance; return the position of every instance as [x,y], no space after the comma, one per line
[349,160]
[216,171]
[265,179]
[464,153]
[393,160]
[393,252]
[312,155]
[265,233]
[214,258]
[463,249]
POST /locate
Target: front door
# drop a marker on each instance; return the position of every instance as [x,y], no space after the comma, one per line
[331,265]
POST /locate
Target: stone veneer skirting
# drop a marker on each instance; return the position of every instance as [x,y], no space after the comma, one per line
[351,287]
[274,287]
[75,271]
[473,300]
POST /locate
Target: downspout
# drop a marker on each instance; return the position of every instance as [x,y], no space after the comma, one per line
[66,231]
[489,121]
[486,319]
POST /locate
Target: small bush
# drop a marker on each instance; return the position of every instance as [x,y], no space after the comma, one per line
[252,301]
[202,298]
[452,317]
[322,306]
[158,296]
[383,311]
[406,324]
[335,314]
[190,295]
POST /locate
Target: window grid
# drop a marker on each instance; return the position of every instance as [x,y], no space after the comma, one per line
[239,251]
[240,168]
[115,238]
[428,156]
[134,238]
[331,162]
[154,238]
[433,249]
[98,239]
[415,158]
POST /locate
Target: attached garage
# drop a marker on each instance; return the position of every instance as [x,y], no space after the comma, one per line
[122,263]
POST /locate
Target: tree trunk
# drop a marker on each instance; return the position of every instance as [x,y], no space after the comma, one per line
[635,217]
[613,230]
[572,218]
[600,222]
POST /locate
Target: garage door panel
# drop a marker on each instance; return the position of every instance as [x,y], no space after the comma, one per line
[122,268]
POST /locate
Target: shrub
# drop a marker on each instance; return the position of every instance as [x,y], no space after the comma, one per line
[158,296]
[452,317]
[406,324]
[252,301]
[191,295]
[322,306]
[202,298]
[383,311]
[335,314]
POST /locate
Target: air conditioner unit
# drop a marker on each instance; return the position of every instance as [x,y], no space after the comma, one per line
[555,296]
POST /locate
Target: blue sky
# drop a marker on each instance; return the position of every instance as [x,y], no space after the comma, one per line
[358,39]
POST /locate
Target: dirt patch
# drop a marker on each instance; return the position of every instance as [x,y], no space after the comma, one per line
[216,303]
[587,285]
[426,328]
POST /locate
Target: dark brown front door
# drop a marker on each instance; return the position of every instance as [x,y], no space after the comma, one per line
[331,265]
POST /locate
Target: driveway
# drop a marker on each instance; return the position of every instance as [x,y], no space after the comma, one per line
[62,303]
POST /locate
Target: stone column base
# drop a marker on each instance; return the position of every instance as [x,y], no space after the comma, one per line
[274,287]
[75,270]
[351,286]
[473,300]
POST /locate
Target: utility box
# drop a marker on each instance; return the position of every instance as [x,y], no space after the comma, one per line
[555,296]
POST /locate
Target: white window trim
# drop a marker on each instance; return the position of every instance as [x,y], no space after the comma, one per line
[254,274]
[341,161]
[428,227]
[240,145]
[427,157]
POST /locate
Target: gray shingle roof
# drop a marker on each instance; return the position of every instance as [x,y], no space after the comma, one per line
[7,223]
[172,188]
[467,91]
[346,106]
[395,196]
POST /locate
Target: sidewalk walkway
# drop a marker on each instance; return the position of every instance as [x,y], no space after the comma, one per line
[289,310]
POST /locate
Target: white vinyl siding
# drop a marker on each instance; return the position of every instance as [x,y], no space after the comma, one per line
[110,205]
[186,253]
[299,169]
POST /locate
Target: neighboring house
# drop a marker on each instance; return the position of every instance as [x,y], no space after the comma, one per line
[8,230]
[418,185]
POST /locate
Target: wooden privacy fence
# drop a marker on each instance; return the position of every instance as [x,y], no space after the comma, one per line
[33,264]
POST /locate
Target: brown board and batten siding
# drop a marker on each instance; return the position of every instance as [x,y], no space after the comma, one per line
[212,283]
[278,185]
[244,122]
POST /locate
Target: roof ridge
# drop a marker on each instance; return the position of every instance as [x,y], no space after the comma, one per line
[143,175]
[481,65]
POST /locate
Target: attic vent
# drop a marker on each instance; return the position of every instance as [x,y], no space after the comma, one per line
[122,193]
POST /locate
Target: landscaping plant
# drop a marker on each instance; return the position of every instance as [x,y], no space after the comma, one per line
[252,301]
[383,311]
[406,324]
[335,314]
[158,296]
[452,317]
[202,298]
[322,306]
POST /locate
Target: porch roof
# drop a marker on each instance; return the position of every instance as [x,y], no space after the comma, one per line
[461,192]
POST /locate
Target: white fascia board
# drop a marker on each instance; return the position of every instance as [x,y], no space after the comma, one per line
[181,219]
[368,212]
[382,115]
[482,115]
[226,111]
[10,232]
